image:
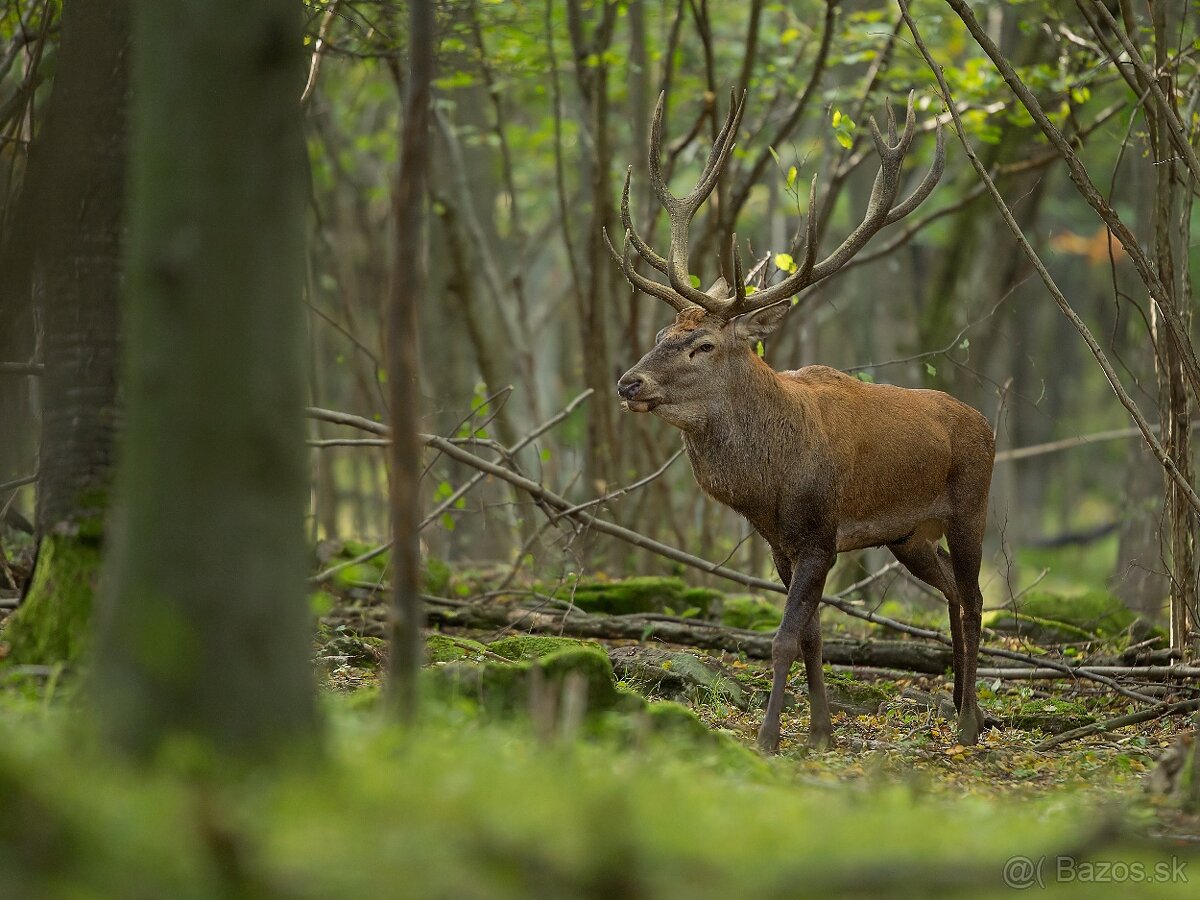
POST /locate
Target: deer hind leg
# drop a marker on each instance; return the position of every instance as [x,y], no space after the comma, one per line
[931,564]
[800,630]
[966,556]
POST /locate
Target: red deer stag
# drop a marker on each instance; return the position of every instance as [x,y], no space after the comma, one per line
[817,461]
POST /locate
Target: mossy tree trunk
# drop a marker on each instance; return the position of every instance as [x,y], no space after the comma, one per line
[77,190]
[203,628]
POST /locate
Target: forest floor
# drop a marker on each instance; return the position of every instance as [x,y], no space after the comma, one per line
[554,766]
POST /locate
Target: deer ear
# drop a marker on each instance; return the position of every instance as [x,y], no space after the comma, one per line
[757,325]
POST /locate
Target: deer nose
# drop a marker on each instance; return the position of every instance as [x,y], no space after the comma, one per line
[629,386]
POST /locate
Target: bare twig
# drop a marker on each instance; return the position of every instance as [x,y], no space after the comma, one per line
[1084,183]
[1146,715]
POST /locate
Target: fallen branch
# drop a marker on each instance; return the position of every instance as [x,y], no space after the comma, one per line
[541,493]
[909,656]
[1145,715]
[1041,672]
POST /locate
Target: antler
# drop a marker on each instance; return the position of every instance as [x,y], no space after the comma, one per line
[680,210]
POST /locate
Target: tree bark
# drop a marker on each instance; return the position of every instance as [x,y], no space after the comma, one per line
[76,255]
[202,628]
[409,280]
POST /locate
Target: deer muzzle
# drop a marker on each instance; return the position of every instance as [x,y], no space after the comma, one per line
[633,390]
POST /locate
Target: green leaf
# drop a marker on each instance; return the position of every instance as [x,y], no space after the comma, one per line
[844,139]
[791,176]
[930,369]
[837,117]
[695,280]
[785,262]
[750,289]
[865,376]
[789,35]
[775,156]
[443,490]
[964,344]
[448,521]
[545,455]
[760,349]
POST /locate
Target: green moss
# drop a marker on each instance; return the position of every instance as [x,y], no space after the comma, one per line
[504,687]
[677,674]
[855,697]
[1046,616]
[358,650]
[1096,611]
[637,595]
[1035,628]
[52,623]
[441,648]
[533,646]
[750,612]
[1052,716]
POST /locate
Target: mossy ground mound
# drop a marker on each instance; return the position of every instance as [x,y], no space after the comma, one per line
[1051,716]
[505,687]
[535,646]
[639,595]
[676,674]
[442,648]
[857,698]
[750,612]
[1046,617]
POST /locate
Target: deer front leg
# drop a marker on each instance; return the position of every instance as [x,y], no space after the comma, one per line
[800,630]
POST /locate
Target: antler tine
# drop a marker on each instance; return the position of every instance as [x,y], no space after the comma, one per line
[644,250]
[925,188]
[681,210]
[641,282]
[880,211]
[810,230]
[657,182]
[739,283]
[719,153]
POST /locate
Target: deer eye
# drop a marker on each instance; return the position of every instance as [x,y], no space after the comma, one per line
[703,348]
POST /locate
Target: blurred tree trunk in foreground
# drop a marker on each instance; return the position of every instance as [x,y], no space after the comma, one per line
[203,628]
[409,280]
[75,204]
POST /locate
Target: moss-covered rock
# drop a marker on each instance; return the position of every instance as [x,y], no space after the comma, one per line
[354,649]
[1046,617]
[639,595]
[750,612]
[442,648]
[534,646]
[52,623]
[853,697]
[673,674]
[504,687]
[1052,716]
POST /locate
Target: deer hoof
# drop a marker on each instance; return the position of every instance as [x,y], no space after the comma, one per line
[768,740]
[819,740]
[968,727]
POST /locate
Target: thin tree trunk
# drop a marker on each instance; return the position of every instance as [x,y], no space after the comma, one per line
[409,278]
[202,628]
[76,255]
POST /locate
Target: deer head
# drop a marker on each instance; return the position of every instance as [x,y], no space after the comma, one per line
[715,331]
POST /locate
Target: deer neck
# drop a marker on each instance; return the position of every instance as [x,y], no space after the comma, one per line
[731,451]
